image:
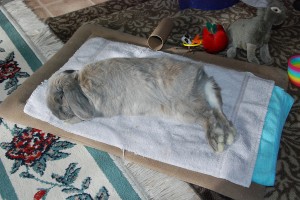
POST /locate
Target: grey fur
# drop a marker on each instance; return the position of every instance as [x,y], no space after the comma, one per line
[252,34]
[142,86]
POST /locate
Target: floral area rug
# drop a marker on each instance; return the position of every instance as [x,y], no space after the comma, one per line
[140,17]
[39,165]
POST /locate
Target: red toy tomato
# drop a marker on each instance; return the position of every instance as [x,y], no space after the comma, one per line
[214,38]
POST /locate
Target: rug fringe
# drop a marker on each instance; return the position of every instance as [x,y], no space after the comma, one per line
[45,42]
[150,184]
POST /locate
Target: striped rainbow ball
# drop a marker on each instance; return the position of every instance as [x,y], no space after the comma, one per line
[294,70]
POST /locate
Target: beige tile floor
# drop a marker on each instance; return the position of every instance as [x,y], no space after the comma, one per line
[51,8]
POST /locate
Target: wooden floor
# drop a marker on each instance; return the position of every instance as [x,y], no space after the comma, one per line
[51,8]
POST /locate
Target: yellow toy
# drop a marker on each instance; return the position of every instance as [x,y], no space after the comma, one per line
[187,42]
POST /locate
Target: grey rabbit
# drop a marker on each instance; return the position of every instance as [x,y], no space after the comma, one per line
[161,87]
[254,33]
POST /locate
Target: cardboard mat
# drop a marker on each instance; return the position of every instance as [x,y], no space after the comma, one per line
[12,108]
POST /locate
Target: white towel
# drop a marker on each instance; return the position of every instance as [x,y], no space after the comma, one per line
[245,96]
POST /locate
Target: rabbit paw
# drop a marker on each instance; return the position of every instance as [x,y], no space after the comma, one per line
[268,60]
[230,133]
[254,60]
[221,135]
[231,52]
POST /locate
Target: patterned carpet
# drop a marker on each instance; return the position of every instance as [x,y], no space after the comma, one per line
[140,17]
[35,164]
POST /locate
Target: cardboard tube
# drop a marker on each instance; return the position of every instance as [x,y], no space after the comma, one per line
[160,34]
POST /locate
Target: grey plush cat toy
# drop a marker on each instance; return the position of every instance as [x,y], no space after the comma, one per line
[254,33]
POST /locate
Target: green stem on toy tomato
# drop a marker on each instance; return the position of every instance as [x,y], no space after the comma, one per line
[212,28]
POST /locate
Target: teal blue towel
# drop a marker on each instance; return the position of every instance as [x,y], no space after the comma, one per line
[278,110]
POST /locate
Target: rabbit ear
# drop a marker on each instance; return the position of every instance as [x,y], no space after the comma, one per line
[78,102]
